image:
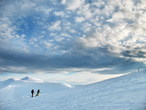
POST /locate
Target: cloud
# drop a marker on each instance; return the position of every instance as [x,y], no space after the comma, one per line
[42,36]
[55,26]
[79,19]
[72,4]
[59,13]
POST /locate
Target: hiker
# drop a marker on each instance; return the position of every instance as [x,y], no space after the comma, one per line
[32,92]
[38,93]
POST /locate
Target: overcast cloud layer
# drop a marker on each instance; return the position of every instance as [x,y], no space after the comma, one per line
[45,36]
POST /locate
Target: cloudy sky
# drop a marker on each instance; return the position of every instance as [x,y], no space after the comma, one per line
[72,36]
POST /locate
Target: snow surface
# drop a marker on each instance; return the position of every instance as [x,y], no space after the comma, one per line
[123,93]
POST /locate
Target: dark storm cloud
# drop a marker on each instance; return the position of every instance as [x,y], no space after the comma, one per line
[75,59]
[136,53]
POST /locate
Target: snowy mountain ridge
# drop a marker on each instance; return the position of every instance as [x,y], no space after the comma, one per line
[127,92]
[31,79]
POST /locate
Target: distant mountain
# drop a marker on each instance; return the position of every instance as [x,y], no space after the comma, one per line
[31,79]
[10,80]
[7,82]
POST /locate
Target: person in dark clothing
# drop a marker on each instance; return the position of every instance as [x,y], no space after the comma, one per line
[32,93]
[38,93]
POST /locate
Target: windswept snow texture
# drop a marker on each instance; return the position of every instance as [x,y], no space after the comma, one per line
[123,93]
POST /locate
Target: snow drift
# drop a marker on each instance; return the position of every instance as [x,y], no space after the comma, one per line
[123,93]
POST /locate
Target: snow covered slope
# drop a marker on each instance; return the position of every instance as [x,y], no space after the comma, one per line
[13,89]
[123,93]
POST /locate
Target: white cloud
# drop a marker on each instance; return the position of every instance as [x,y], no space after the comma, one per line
[45,10]
[72,4]
[9,39]
[55,26]
[79,19]
[6,30]
[59,13]
[13,9]
[48,44]
[85,11]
